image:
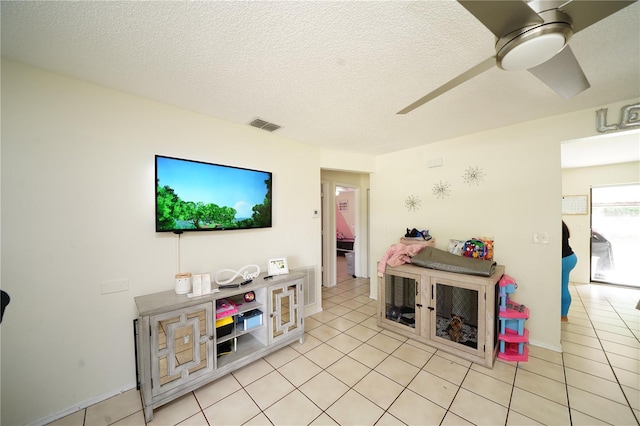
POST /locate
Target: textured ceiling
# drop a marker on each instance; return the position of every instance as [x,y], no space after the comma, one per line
[332,74]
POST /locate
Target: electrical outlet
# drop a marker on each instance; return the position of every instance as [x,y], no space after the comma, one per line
[114,286]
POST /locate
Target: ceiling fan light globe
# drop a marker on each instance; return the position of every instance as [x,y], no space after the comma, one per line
[532,47]
[533,52]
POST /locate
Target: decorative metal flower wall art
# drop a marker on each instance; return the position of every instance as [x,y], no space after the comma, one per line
[441,189]
[412,203]
[473,175]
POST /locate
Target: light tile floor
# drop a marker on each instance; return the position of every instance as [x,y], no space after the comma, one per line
[350,372]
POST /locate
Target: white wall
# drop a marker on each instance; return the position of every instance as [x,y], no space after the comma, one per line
[78,209]
[578,181]
[520,194]
[346,161]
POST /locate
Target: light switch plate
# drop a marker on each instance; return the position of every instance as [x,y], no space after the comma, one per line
[541,238]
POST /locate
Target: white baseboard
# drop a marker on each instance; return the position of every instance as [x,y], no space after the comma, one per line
[312,309]
[82,405]
[545,346]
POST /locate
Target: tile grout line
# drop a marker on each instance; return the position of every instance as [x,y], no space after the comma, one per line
[456,394]
[566,386]
[513,386]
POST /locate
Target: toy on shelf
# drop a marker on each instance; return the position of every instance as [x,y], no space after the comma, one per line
[507,286]
[513,336]
[225,308]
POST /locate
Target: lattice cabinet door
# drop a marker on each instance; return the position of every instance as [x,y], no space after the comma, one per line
[458,315]
[285,310]
[181,346]
[400,306]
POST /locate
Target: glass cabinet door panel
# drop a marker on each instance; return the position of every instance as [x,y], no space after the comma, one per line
[400,300]
[183,346]
[456,314]
[285,314]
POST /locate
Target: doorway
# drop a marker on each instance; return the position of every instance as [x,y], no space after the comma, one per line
[334,184]
[346,214]
[615,232]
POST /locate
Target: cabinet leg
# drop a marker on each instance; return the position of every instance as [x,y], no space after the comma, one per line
[148,414]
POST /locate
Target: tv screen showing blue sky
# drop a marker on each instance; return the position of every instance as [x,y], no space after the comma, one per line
[210,183]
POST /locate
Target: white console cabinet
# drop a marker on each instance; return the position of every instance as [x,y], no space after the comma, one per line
[179,347]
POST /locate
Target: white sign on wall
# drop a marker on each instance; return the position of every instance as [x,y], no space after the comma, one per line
[629,118]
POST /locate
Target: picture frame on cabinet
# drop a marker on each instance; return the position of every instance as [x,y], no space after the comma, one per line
[277,266]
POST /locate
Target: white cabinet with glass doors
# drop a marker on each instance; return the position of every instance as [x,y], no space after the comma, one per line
[180,344]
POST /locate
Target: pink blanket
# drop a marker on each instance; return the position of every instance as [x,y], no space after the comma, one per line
[398,254]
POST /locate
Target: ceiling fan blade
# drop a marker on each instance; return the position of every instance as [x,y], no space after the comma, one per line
[467,75]
[502,17]
[585,13]
[563,74]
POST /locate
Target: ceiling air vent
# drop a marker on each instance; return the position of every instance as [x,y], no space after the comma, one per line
[264,125]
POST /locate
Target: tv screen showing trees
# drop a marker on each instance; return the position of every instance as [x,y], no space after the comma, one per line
[197,196]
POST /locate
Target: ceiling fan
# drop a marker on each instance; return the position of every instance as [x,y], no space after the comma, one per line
[533,35]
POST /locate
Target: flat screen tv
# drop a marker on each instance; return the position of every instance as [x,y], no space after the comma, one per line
[197,196]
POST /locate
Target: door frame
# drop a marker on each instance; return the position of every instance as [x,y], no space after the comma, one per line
[327,268]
